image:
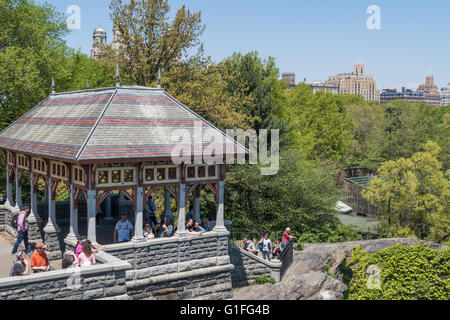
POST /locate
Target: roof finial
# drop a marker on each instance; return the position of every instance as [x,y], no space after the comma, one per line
[117,76]
[87,83]
[159,78]
[53,85]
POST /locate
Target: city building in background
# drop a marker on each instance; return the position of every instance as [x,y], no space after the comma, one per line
[356,83]
[445,95]
[430,91]
[317,86]
[389,95]
[289,78]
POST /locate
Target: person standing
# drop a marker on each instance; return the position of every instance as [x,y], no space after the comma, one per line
[266,247]
[22,230]
[286,237]
[123,230]
[150,210]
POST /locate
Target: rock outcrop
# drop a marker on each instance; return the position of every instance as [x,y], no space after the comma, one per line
[311,275]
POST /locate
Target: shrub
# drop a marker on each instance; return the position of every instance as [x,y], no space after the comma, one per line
[398,273]
[263,280]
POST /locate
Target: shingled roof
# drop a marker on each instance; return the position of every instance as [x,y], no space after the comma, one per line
[111,123]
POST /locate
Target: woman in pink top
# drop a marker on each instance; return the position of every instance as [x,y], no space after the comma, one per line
[86,258]
[79,246]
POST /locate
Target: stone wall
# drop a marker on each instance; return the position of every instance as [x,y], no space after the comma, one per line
[188,267]
[106,280]
[248,267]
[6,213]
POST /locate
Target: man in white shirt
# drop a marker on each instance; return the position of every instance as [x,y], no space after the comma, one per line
[266,246]
[123,230]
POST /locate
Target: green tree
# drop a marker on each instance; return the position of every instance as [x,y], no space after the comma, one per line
[413,194]
[149,41]
[263,94]
[321,126]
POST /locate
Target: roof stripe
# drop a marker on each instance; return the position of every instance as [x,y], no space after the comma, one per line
[37,150]
[147,121]
[41,144]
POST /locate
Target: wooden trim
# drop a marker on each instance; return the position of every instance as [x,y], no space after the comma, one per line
[19,176]
[103,197]
[5,157]
[11,174]
[214,189]
[174,193]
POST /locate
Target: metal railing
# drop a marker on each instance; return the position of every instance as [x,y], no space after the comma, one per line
[286,258]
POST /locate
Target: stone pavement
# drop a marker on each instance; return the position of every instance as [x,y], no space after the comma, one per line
[6,258]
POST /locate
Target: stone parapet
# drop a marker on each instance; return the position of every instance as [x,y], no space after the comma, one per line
[180,267]
[105,280]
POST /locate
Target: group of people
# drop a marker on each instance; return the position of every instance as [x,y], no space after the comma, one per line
[124,230]
[264,245]
[84,255]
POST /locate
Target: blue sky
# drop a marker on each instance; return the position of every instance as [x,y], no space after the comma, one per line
[314,39]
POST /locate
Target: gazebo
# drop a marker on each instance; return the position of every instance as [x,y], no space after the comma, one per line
[119,138]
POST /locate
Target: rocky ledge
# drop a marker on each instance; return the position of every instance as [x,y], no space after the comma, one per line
[308,277]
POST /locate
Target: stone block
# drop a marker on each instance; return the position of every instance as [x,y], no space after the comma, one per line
[115,291]
[92,294]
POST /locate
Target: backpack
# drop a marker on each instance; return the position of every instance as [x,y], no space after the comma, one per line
[261,245]
[14,221]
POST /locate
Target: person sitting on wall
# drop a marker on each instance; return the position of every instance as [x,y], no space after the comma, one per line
[245,242]
[205,225]
[198,227]
[190,228]
[39,259]
[87,257]
[21,266]
[252,247]
[70,260]
[148,232]
[123,230]
[276,251]
[79,246]
[167,229]
[286,237]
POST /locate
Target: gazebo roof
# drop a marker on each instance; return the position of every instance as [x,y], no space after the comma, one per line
[127,122]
